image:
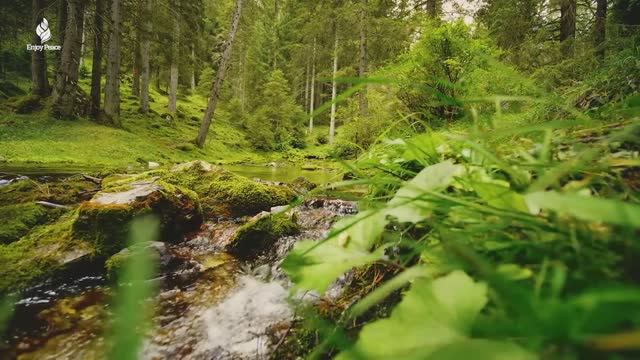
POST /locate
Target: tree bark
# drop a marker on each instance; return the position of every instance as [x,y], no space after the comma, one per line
[600,28]
[38,59]
[193,69]
[96,67]
[112,85]
[173,80]
[362,68]
[334,85]
[306,86]
[84,22]
[62,24]
[313,86]
[65,90]
[568,14]
[135,83]
[217,85]
[434,9]
[145,48]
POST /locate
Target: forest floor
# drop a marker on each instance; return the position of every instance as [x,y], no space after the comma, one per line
[38,138]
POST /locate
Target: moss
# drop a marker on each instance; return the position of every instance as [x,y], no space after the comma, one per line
[20,218]
[259,234]
[67,191]
[26,104]
[106,224]
[42,253]
[114,264]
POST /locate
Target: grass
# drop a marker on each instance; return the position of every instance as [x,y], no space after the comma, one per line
[37,138]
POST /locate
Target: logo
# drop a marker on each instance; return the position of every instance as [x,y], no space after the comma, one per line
[43,31]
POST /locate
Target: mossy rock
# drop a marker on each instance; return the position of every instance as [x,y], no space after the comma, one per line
[302,185]
[157,250]
[186,147]
[104,219]
[260,233]
[67,191]
[26,104]
[42,253]
[223,193]
[19,219]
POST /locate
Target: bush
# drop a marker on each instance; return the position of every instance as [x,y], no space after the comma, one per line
[345,150]
[322,139]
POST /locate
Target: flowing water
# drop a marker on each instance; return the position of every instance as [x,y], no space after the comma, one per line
[209,304]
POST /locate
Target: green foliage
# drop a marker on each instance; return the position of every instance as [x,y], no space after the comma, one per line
[434,74]
[275,122]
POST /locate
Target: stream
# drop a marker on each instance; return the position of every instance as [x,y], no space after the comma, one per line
[209,305]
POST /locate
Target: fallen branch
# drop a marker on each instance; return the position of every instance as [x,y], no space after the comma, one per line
[95,180]
[52,205]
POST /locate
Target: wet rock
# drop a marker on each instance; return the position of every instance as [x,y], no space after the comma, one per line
[158,250]
[104,219]
[260,233]
[302,186]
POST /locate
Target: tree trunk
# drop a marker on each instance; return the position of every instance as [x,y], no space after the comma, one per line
[600,28]
[434,9]
[96,67]
[135,83]
[362,68]
[334,85]
[38,59]
[173,74]
[145,48]
[62,24]
[65,90]
[193,69]
[306,86]
[567,25]
[313,86]
[112,85]
[217,85]
[84,22]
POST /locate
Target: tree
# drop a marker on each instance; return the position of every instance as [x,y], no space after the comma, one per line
[96,67]
[600,28]
[66,86]
[568,13]
[217,85]
[112,85]
[362,66]
[38,59]
[313,86]
[332,123]
[175,53]
[145,48]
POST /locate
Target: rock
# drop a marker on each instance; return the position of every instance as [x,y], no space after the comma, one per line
[156,249]
[104,219]
[279,209]
[301,185]
[19,219]
[153,165]
[310,167]
[255,237]
[196,165]
[272,164]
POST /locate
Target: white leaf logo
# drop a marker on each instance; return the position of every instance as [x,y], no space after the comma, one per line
[43,31]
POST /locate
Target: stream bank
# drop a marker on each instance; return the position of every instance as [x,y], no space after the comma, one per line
[216,299]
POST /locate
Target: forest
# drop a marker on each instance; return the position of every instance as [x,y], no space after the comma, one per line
[348,179]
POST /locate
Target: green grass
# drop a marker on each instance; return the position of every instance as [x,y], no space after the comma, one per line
[39,138]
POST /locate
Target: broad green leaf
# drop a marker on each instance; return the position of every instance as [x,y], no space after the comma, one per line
[433,178]
[431,315]
[501,197]
[587,208]
[479,349]
[314,266]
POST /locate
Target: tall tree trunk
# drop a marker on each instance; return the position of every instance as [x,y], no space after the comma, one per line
[62,25]
[362,68]
[65,90]
[135,83]
[193,68]
[599,35]
[334,85]
[217,85]
[173,81]
[38,59]
[306,86]
[434,9]
[112,85]
[84,22]
[313,86]
[145,48]
[96,67]
[568,10]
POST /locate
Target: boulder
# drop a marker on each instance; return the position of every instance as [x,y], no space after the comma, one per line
[260,233]
[301,185]
[104,219]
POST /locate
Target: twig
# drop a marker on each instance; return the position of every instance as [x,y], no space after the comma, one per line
[52,205]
